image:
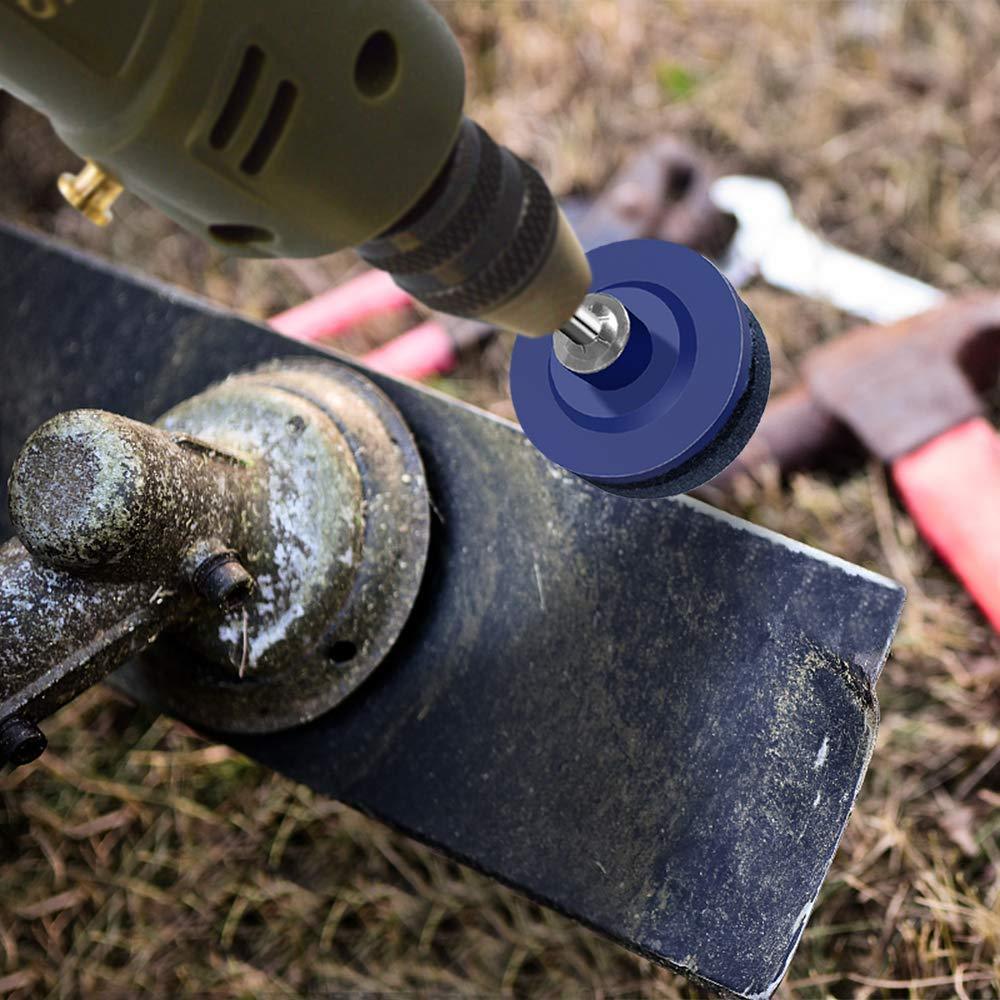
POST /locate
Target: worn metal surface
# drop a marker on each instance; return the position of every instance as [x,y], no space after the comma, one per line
[341,560]
[60,634]
[96,494]
[298,490]
[890,388]
[650,716]
[112,512]
[900,386]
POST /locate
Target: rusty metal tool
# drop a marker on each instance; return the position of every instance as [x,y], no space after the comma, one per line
[910,394]
[567,738]
[236,526]
[663,192]
[908,391]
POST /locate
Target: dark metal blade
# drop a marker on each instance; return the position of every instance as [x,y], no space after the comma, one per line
[646,714]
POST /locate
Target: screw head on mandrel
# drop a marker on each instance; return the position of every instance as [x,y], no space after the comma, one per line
[595,337]
[21,741]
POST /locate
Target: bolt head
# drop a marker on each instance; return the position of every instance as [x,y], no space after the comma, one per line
[224,580]
[21,741]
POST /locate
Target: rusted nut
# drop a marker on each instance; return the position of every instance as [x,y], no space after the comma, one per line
[21,741]
[224,580]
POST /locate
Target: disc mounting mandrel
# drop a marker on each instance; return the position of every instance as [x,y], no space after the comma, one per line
[682,399]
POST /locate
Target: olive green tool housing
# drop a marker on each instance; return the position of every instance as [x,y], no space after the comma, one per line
[297,128]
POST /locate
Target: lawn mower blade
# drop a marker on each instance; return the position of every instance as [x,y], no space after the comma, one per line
[648,715]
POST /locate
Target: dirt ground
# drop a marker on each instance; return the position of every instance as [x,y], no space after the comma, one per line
[134,856]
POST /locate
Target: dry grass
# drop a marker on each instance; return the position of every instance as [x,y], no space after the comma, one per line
[137,857]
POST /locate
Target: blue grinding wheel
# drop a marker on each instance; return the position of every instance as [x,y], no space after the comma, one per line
[682,400]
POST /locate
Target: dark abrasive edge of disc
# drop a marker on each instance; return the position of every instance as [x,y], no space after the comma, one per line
[731,439]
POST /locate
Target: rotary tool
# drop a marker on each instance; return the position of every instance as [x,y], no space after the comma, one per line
[300,128]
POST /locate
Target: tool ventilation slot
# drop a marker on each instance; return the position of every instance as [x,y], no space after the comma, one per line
[278,117]
[239,98]
[236,234]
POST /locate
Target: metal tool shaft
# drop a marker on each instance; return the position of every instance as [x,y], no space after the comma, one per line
[595,336]
[583,327]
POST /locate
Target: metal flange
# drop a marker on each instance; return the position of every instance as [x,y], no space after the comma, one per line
[347,527]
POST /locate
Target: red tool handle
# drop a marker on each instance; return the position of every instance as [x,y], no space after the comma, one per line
[342,308]
[952,488]
[425,350]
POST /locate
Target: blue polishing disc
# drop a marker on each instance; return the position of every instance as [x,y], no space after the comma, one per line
[681,386]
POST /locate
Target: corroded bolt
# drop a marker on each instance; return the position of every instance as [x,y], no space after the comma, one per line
[223,579]
[21,741]
[124,530]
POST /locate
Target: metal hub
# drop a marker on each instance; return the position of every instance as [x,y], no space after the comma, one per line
[348,520]
[559,649]
[595,336]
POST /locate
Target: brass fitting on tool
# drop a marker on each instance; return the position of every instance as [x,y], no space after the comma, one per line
[92,192]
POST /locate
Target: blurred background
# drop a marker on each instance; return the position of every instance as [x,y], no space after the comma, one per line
[135,857]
